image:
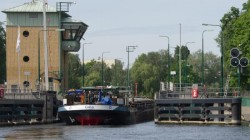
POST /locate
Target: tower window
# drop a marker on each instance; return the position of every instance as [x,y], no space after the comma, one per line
[26,83]
[26,58]
[26,33]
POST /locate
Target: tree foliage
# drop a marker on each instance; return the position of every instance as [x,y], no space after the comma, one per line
[150,69]
[236,34]
[117,74]
[211,68]
[74,71]
[92,72]
[112,75]
[146,72]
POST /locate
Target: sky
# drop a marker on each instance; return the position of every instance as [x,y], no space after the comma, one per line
[116,24]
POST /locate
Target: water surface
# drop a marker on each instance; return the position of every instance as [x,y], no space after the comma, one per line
[142,131]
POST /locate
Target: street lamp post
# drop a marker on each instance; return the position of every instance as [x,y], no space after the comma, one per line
[83,63]
[180,61]
[222,70]
[203,54]
[168,84]
[189,43]
[129,49]
[38,44]
[102,66]
[186,62]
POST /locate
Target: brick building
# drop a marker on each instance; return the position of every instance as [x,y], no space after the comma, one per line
[63,36]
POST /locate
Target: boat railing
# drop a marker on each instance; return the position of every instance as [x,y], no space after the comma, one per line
[141,103]
[142,106]
[92,97]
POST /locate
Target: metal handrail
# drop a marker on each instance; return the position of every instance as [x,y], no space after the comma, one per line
[186,92]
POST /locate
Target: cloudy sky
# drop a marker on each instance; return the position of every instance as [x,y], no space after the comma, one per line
[115,24]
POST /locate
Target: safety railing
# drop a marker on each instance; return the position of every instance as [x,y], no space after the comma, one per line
[187,93]
[22,94]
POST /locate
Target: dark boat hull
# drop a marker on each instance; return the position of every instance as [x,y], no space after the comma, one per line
[103,114]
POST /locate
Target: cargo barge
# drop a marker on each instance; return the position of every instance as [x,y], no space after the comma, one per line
[105,106]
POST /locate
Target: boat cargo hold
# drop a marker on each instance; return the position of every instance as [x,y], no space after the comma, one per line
[105,105]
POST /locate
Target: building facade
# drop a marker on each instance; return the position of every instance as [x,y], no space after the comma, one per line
[63,36]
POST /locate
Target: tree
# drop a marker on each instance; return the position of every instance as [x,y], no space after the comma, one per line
[93,73]
[74,69]
[184,52]
[211,68]
[146,75]
[118,75]
[148,70]
[184,56]
[2,54]
[236,33]
[93,79]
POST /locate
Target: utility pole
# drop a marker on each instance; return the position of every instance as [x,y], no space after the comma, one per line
[83,63]
[129,49]
[203,55]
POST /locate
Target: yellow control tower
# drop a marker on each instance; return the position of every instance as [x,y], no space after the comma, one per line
[25,59]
